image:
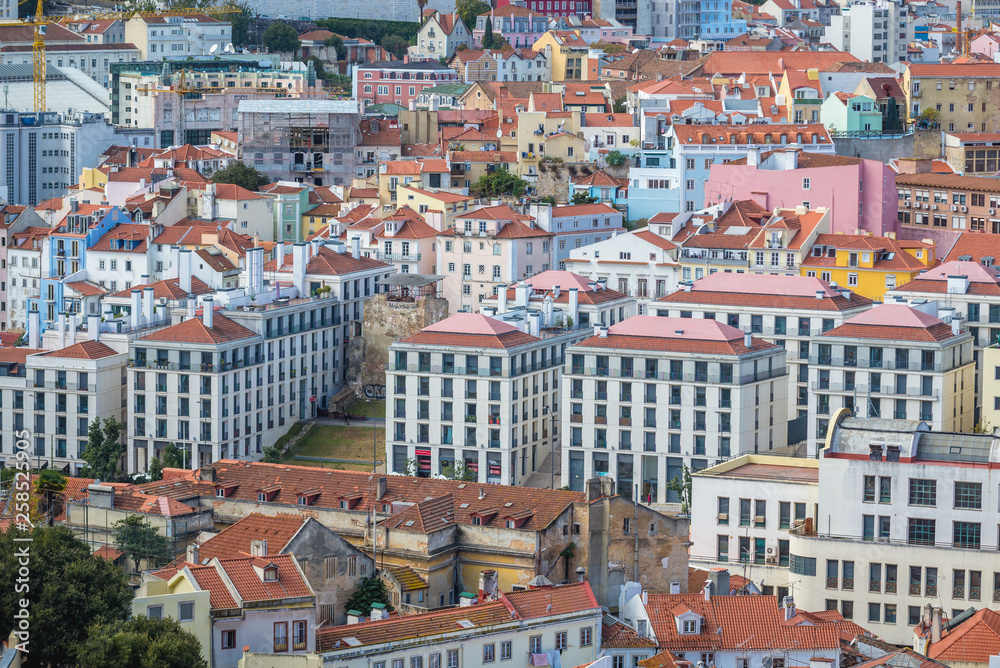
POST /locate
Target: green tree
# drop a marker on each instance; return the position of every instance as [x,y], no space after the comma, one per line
[318,66]
[619,105]
[132,6]
[281,38]
[459,471]
[368,591]
[139,540]
[240,19]
[104,449]
[50,485]
[682,486]
[488,35]
[581,197]
[241,174]
[141,642]
[174,457]
[155,469]
[69,589]
[982,427]
[615,158]
[469,10]
[272,455]
[337,42]
[395,45]
[499,183]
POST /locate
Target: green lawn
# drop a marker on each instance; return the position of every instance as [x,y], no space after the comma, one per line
[296,428]
[339,443]
[368,408]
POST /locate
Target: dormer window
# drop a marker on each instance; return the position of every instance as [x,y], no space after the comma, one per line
[308,497]
[349,501]
[267,493]
[225,491]
[689,626]
[271,574]
[477,520]
[221,493]
[261,496]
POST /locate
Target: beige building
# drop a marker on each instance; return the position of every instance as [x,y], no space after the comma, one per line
[160,37]
[960,95]
[487,248]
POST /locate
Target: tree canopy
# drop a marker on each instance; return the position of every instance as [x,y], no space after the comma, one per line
[581,197]
[241,174]
[371,29]
[368,591]
[498,183]
[459,471]
[69,589]
[395,45]
[337,42]
[141,642]
[50,485]
[281,37]
[139,540]
[104,449]
[469,10]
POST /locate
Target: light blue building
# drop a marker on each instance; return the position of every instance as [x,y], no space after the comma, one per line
[708,20]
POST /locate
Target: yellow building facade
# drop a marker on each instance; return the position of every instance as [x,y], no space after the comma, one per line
[868,265]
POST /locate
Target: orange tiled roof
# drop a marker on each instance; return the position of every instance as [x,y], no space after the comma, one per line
[194,330]
[277,530]
[170,288]
[86,350]
[974,640]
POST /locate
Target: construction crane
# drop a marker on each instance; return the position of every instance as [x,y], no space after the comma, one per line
[40,22]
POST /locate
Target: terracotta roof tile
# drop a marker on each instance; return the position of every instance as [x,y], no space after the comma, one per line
[235,539]
[208,578]
[407,578]
[682,335]
[86,350]
[170,288]
[250,586]
[194,330]
[973,641]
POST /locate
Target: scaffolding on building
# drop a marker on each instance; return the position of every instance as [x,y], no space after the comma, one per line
[305,140]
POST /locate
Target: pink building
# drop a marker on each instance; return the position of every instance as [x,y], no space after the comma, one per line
[520,26]
[861,194]
[553,8]
[399,81]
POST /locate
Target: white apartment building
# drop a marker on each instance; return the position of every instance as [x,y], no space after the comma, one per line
[42,153]
[789,311]
[900,525]
[892,361]
[871,30]
[55,393]
[222,385]
[474,390]
[963,290]
[642,264]
[120,259]
[159,37]
[681,392]
[743,510]
[439,36]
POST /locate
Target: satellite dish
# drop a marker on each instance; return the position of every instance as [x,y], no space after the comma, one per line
[229,48]
[215,47]
[499,133]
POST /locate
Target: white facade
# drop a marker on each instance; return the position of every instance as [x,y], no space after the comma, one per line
[676,392]
[742,511]
[178,36]
[900,524]
[94,60]
[518,67]
[433,41]
[42,153]
[462,398]
[24,274]
[873,31]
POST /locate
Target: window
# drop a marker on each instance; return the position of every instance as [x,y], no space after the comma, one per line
[690,626]
[154,611]
[561,640]
[920,532]
[966,535]
[585,636]
[489,653]
[299,635]
[416,661]
[228,639]
[185,611]
[505,650]
[281,636]
[923,492]
[969,495]
[535,643]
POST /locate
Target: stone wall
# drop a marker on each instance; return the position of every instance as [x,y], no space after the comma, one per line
[554,178]
[882,149]
[386,321]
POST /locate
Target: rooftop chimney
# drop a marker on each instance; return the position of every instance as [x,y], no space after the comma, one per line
[135,316]
[144,279]
[747,339]
[378,611]
[522,292]
[707,591]
[482,493]
[574,304]
[94,326]
[381,487]
[62,330]
[356,246]
[820,294]
[184,269]
[101,496]
[148,304]
[489,585]
[789,607]
[353,616]
[206,474]
[71,330]
[581,574]
[501,299]
[192,554]
[208,314]
[936,625]
[34,327]
[258,548]
[300,254]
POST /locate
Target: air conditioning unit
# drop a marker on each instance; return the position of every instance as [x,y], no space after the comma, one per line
[934,207]
[965,209]
[758,519]
[771,561]
[954,207]
[927,206]
[993,212]
[723,517]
